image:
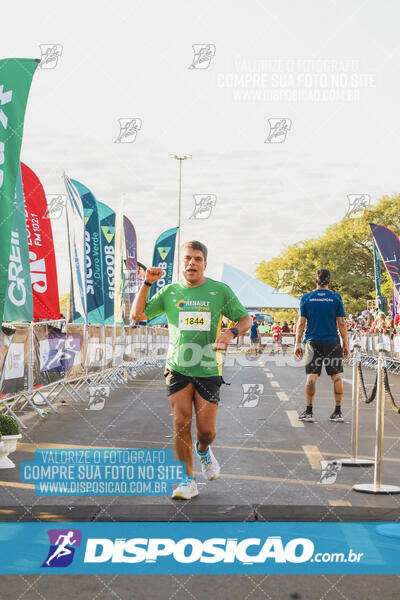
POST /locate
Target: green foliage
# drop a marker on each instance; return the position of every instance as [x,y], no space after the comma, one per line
[288,314]
[346,248]
[8,425]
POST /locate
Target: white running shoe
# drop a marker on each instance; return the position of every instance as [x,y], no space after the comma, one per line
[186,490]
[209,464]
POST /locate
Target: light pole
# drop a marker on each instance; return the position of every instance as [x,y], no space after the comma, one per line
[180,158]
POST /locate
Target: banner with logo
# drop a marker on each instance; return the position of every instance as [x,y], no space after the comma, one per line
[163,257]
[377,272]
[131,265]
[389,248]
[118,266]
[76,244]
[202,548]
[107,236]
[46,302]
[15,81]
[94,272]
[18,305]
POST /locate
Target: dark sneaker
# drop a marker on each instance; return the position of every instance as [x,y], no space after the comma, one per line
[306,416]
[337,417]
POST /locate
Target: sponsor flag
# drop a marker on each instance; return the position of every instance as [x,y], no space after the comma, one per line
[163,257]
[395,303]
[389,248]
[131,264]
[107,235]
[15,81]
[118,267]
[93,258]
[76,244]
[377,272]
[46,302]
[18,305]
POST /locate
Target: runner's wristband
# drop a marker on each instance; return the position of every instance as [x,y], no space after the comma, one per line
[147,283]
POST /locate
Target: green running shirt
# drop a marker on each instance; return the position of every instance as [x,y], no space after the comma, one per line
[194,320]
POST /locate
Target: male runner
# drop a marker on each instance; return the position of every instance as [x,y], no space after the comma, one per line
[194,307]
[323,312]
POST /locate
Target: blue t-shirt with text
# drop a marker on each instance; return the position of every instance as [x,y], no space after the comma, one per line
[321,309]
[254,330]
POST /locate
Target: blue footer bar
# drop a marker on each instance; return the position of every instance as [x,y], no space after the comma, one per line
[294,548]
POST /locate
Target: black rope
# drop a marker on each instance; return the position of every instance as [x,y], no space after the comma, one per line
[363,390]
[388,391]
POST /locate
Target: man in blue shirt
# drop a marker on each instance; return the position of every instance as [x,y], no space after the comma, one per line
[254,339]
[323,312]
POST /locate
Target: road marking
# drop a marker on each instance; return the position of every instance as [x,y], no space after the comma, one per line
[275,384]
[314,456]
[339,502]
[269,375]
[280,479]
[49,516]
[294,418]
[28,447]
[282,396]
[223,476]
[28,486]
[387,437]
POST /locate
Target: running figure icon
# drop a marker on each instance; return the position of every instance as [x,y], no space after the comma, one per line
[62,549]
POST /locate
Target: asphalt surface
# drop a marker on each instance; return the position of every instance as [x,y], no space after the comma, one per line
[271,470]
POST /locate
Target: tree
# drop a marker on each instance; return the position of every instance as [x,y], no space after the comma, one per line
[346,248]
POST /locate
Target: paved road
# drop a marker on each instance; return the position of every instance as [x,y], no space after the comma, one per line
[271,463]
[270,471]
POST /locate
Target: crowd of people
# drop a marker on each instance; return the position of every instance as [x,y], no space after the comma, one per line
[374,322]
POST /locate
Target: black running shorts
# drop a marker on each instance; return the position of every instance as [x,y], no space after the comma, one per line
[328,354]
[207,387]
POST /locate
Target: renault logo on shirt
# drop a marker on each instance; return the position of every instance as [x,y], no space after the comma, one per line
[193,304]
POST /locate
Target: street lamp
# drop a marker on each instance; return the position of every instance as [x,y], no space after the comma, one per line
[180,158]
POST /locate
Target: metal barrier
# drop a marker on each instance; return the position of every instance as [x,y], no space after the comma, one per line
[40,361]
[354,460]
[266,342]
[376,487]
[369,349]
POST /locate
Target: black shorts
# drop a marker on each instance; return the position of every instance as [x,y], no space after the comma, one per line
[207,387]
[323,353]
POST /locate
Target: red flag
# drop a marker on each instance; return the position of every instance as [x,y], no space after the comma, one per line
[46,303]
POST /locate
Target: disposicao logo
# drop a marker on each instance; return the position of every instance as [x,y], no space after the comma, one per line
[191,550]
[62,547]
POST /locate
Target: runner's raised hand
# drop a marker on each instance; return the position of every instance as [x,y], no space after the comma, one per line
[153,274]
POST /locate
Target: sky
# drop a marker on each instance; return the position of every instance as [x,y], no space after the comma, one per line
[327,71]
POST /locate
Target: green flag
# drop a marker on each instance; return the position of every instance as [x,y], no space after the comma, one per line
[19,303]
[15,81]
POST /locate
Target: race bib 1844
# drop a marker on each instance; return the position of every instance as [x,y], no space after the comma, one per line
[196,321]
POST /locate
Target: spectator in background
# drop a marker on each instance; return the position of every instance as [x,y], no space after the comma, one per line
[389,322]
[379,323]
[276,331]
[254,336]
[285,327]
